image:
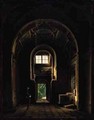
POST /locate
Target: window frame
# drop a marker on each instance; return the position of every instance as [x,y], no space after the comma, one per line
[44,59]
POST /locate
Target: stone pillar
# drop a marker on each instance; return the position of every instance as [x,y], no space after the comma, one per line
[13,80]
[93,81]
[1,64]
[92,84]
[90,80]
[1,75]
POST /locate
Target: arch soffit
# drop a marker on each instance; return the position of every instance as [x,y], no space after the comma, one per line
[32,27]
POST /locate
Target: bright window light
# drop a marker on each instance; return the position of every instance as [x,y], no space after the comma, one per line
[41,59]
[38,59]
[45,59]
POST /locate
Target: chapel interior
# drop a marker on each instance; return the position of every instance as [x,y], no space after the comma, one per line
[46,59]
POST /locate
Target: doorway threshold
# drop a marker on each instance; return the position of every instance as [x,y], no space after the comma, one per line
[42,101]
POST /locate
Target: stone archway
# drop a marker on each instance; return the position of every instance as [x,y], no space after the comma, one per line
[53,32]
[41,72]
[52,54]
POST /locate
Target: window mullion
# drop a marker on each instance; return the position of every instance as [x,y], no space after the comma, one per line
[42,59]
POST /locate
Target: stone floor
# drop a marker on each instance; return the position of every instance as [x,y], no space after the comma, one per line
[46,111]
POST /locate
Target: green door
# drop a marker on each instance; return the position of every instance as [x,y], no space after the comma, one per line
[41,92]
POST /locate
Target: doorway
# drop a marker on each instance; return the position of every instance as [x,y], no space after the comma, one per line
[41,93]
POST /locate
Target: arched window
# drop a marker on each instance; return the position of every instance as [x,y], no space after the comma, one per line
[43,59]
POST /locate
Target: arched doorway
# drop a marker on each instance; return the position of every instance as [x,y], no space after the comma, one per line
[43,68]
[65,69]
